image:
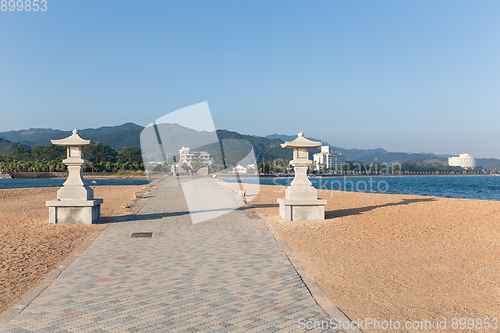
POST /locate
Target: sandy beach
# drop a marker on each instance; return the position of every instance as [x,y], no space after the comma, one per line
[30,247]
[397,257]
[388,257]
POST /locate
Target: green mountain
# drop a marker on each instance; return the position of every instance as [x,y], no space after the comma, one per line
[263,146]
[235,146]
[175,136]
[118,140]
[350,154]
[118,137]
[401,158]
[6,146]
[383,156]
[488,163]
[108,134]
[171,138]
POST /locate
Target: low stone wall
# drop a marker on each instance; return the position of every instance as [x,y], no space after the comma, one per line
[36,175]
[4,175]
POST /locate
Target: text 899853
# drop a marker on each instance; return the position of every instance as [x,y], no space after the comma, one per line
[23,5]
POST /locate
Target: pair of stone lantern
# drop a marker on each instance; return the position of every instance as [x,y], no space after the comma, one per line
[301,200]
[75,200]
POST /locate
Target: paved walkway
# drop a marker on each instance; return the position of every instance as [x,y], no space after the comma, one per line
[223,275]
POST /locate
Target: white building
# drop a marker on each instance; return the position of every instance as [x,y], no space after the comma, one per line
[464,161]
[244,168]
[329,160]
[188,157]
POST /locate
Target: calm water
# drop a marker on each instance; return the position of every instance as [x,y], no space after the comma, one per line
[467,187]
[25,183]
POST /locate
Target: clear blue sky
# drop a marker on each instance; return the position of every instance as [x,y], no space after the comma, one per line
[420,76]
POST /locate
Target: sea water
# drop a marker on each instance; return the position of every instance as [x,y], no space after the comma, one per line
[466,187]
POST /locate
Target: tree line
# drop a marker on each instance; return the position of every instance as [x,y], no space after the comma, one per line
[102,158]
[278,166]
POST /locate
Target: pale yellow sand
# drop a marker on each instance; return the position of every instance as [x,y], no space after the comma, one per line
[398,257]
[30,248]
[378,256]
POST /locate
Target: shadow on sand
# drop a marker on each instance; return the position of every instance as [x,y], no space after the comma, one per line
[357,211]
[139,217]
[328,214]
[250,206]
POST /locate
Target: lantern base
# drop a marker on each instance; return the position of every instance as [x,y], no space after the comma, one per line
[302,210]
[81,192]
[74,211]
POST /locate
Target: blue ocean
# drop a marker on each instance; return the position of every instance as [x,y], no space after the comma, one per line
[26,183]
[466,187]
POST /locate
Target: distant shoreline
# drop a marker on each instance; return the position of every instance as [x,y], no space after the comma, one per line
[64,175]
[465,187]
[328,176]
[87,175]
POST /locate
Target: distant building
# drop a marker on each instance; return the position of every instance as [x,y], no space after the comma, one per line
[186,156]
[464,161]
[337,161]
[244,168]
[329,160]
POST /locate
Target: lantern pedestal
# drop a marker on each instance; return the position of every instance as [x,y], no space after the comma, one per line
[75,200]
[75,188]
[74,211]
[302,210]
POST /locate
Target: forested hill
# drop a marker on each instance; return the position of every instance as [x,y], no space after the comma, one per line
[383,156]
[263,147]
[350,154]
[6,146]
[118,137]
[128,136]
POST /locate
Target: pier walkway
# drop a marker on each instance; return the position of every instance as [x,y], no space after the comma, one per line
[227,274]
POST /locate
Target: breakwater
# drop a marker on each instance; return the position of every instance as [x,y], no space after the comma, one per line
[5,175]
[46,175]
[37,175]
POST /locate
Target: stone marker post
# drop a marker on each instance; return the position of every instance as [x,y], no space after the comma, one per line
[301,201]
[75,200]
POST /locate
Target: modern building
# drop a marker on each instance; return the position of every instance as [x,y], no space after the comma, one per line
[464,161]
[186,156]
[329,160]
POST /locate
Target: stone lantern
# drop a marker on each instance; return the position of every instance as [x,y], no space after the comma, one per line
[75,200]
[301,200]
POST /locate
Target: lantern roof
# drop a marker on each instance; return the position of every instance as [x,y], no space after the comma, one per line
[301,142]
[73,140]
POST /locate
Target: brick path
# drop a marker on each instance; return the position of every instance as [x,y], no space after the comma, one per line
[223,275]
